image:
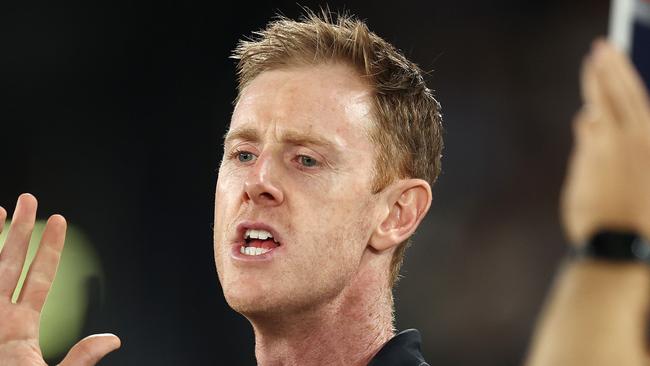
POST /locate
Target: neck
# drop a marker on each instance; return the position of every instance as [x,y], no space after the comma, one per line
[349,330]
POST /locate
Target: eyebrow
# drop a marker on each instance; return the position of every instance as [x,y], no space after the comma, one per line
[291,136]
[248,134]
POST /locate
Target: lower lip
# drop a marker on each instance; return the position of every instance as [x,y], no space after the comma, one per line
[239,256]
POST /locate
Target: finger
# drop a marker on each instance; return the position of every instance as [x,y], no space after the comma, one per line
[3,217]
[588,128]
[588,88]
[43,269]
[613,85]
[592,92]
[13,254]
[633,85]
[90,350]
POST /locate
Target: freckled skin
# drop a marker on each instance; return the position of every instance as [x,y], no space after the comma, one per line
[324,214]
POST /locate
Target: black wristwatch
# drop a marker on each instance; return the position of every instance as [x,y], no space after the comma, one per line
[614,246]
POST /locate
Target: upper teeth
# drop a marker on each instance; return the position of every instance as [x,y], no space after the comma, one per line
[258,234]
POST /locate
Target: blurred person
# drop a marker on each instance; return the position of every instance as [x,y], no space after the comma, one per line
[333,146]
[597,311]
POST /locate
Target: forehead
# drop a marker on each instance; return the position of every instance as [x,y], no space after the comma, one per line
[326,99]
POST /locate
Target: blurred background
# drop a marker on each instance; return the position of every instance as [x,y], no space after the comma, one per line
[112,113]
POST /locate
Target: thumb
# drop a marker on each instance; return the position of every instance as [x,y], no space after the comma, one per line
[88,351]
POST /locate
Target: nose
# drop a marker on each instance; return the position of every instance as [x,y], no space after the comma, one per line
[261,185]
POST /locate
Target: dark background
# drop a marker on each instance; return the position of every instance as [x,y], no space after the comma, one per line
[112,114]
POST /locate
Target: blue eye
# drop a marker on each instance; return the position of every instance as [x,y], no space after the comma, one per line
[308,161]
[245,156]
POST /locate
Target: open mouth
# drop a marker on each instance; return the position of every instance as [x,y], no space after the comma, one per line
[258,242]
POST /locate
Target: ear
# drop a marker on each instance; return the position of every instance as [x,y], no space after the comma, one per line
[407,202]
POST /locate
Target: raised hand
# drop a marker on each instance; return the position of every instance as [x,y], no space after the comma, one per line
[608,184]
[597,311]
[19,322]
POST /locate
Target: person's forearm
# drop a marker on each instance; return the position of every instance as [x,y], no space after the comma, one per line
[596,315]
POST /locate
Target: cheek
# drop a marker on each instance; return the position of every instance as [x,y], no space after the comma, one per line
[225,208]
[344,208]
[331,254]
[228,179]
[340,226]
[228,190]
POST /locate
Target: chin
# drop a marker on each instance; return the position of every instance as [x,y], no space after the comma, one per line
[251,303]
[259,301]
[245,292]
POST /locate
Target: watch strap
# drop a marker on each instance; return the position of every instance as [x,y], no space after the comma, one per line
[614,246]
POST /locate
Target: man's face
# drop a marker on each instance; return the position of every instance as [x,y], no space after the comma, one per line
[297,165]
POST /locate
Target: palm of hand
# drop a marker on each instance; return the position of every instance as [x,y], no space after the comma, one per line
[19,335]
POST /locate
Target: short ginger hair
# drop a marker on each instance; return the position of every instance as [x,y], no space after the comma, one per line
[407,123]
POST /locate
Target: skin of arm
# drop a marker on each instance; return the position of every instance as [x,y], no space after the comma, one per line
[596,313]
[595,316]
